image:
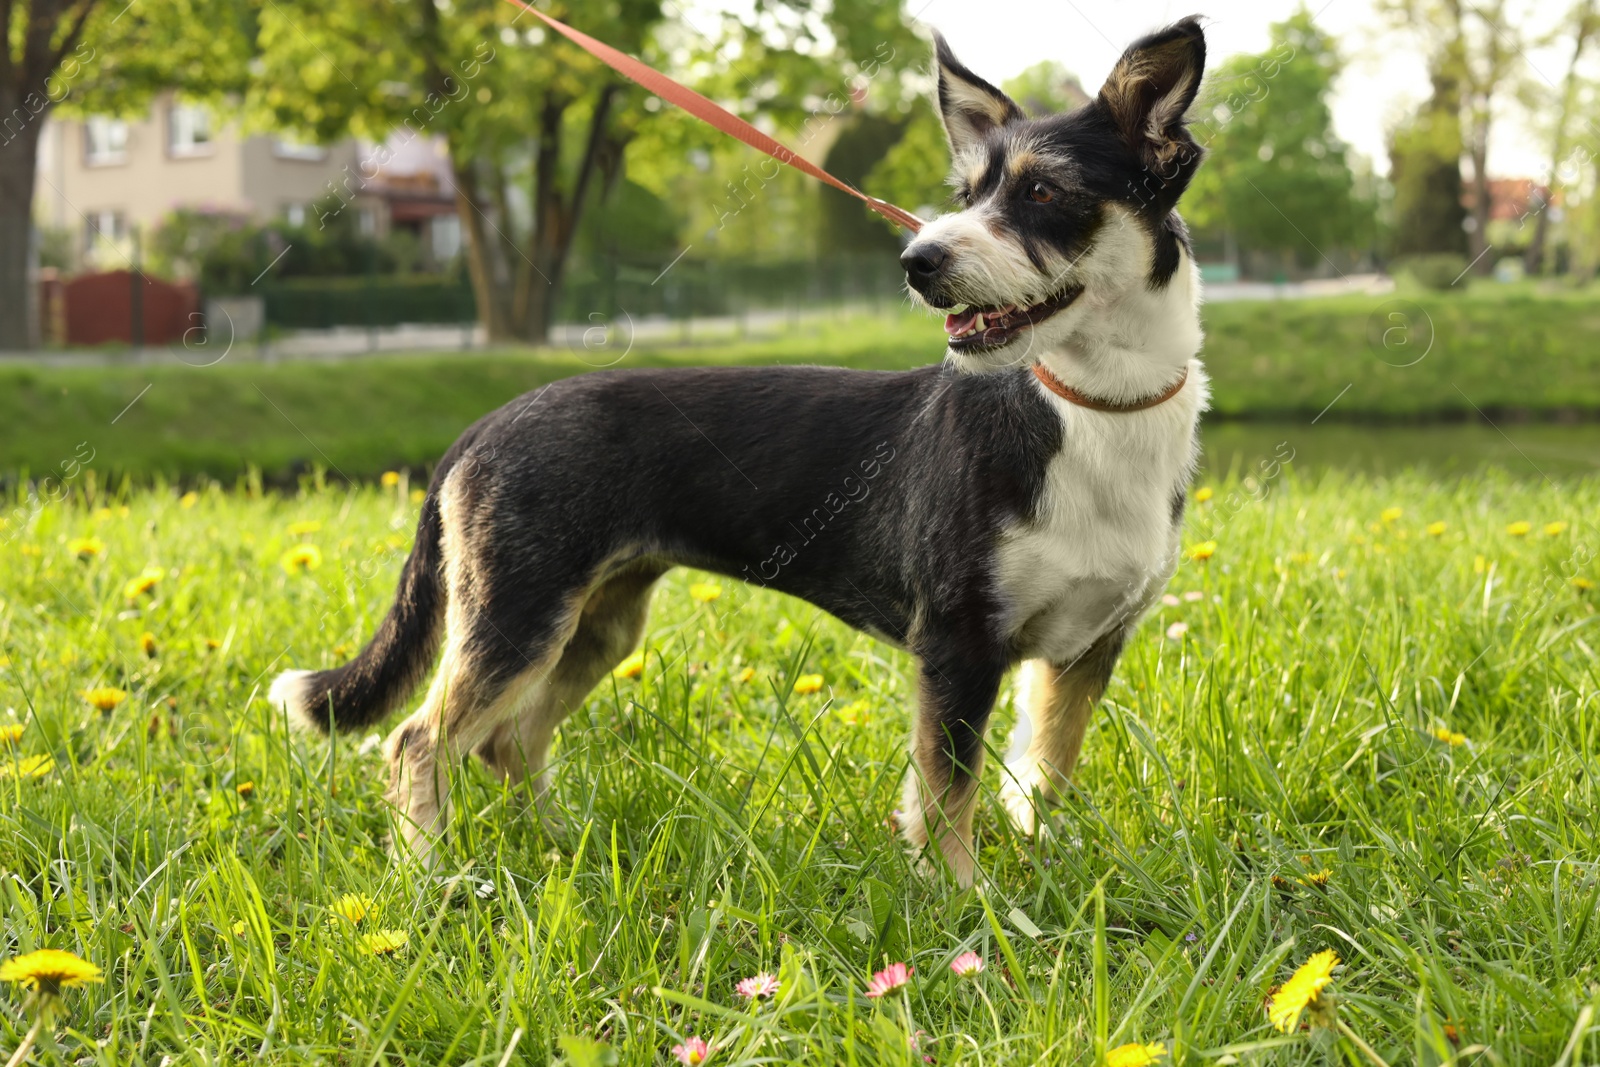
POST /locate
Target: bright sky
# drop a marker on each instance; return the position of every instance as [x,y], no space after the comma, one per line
[1384,77]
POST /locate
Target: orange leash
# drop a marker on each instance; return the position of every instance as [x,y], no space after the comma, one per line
[713,115]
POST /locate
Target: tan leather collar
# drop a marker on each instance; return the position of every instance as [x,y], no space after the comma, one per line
[1067,393]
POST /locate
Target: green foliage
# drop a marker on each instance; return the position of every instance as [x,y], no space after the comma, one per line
[229,253]
[1046,88]
[716,827]
[862,142]
[1425,170]
[1438,271]
[912,173]
[1275,176]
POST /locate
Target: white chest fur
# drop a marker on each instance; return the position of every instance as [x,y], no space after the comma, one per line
[1103,543]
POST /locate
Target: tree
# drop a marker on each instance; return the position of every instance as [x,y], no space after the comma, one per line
[1585,22]
[536,130]
[1474,52]
[1276,178]
[91,55]
[1425,170]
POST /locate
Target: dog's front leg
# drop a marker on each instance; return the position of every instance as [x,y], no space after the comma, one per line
[955,695]
[1054,705]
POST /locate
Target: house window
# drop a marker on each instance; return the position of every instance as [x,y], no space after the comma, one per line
[295,215]
[188,130]
[445,231]
[105,140]
[287,149]
[107,225]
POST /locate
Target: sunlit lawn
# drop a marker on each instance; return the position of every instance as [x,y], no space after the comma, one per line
[1336,689]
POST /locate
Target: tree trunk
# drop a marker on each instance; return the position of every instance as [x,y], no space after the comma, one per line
[18,160]
[517,283]
[1478,238]
[1533,259]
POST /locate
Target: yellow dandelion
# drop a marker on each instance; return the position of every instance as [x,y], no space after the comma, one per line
[189,499]
[141,584]
[1303,990]
[303,527]
[30,550]
[48,971]
[1582,584]
[1391,514]
[351,908]
[147,644]
[11,732]
[245,789]
[1135,1055]
[1317,879]
[384,942]
[105,697]
[86,547]
[300,559]
[213,644]
[29,767]
[390,479]
[705,592]
[631,667]
[418,496]
[745,675]
[855,713]
[1204,550]
[101,513]
[1554,529]
[1519,529]
[1301,558]
[1436,529]
[239,928]
[1204,493]
[1450,737]
[808,683]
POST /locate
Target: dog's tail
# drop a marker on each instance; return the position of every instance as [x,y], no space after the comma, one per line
[397,658]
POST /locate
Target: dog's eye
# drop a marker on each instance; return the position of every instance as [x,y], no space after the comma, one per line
[1040,193]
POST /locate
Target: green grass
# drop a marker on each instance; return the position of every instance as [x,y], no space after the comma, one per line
[717,828]
[1507,354]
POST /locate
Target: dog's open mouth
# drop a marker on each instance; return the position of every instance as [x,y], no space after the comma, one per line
[990,327]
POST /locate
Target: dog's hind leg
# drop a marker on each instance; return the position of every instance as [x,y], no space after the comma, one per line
[608,628]
[1054,705]
[465,700]
[955,696]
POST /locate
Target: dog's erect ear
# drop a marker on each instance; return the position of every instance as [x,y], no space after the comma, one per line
[1152,86]
[970,106]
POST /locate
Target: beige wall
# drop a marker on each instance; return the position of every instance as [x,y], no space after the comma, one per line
[248,175]
[271,180]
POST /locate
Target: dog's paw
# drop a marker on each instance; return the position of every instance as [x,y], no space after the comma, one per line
[1019,803]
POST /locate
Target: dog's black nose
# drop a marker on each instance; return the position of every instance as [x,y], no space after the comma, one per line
[923,262]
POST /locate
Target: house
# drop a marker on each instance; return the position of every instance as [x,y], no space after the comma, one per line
[105,182]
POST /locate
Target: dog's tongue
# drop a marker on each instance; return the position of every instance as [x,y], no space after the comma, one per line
[956,325]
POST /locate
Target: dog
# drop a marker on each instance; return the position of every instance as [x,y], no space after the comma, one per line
[1018,503]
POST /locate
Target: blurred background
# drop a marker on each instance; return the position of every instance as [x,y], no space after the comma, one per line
[256,238]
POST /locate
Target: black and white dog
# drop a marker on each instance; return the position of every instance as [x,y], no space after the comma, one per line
[1020,503]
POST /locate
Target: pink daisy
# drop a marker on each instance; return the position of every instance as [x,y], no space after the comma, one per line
[967,965]
[893,977]
[757,986]
[692,1052]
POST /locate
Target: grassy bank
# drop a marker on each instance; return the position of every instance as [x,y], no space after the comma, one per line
[1345,731]
[1508,355]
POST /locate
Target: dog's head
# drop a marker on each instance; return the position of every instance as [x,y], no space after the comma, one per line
[1050,207]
